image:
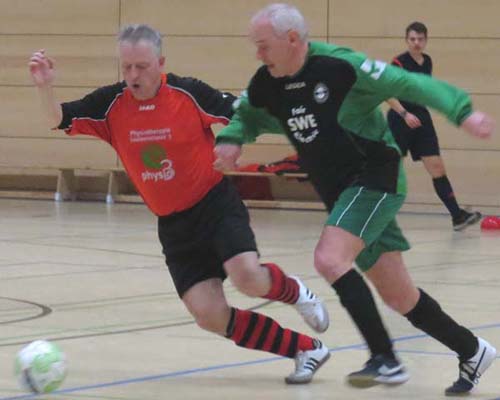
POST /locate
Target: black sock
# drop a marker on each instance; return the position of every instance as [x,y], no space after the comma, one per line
[428,316]
[443,189]
[357,299]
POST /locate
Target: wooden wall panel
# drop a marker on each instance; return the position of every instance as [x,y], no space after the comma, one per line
[216,17]
[208,40]
[451,137]
[56,153]
[264,153]
[473,174]
[223,62]
[471,63]
[444,18]
[22,115]
[80,60]
[93,17]
[477,72]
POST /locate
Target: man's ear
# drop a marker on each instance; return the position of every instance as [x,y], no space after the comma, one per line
[293,37]
[161,60]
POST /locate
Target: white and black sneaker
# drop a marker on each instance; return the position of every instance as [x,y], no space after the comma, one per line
[379,369]
[311,308]
[307,363]
[471,370]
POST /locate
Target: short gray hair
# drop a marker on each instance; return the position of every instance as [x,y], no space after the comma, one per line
[283,18]
[134,33]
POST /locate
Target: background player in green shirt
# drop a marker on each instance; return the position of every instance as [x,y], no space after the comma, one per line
[326,100]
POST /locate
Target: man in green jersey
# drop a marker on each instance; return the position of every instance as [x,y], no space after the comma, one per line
[325,99]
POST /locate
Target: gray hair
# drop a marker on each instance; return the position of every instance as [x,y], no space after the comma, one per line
[283,18]
[136,32]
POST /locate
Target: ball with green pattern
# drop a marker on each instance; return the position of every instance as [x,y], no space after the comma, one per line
[40,367]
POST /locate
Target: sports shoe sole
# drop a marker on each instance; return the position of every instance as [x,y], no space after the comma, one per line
[367,381]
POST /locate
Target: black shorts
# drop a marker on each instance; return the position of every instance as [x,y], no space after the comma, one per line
[196,242]
[421,141]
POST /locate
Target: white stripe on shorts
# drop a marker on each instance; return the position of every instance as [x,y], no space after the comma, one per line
[371,215]
[349,206]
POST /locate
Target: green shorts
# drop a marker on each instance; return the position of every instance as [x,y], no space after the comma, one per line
[370,215]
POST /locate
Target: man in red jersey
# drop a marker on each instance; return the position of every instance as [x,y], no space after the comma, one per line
[160,126]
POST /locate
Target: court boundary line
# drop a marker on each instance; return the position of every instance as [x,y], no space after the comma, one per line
[193,371]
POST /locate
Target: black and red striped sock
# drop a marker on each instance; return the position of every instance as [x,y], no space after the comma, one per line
[256,331]
[283,288]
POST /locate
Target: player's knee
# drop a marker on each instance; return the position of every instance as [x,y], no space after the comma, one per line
[329,266]
[438,173]
[210,318]
[394,302]
[246,280]
[399,300]
[206,323]
[436,169]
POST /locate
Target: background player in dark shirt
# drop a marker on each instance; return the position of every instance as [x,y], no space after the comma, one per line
[203,225]
[413,129]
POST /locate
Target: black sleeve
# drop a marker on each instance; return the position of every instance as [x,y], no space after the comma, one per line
[212,101]
[342,78]
[263,91]
[94,105]
[259,87]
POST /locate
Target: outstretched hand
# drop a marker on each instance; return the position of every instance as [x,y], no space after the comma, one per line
[42,69]
[479,124]
[226,156]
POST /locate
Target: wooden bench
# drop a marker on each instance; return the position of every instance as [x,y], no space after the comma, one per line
[289,190]
[62,184]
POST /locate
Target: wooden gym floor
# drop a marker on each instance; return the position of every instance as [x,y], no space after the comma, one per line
[91,277]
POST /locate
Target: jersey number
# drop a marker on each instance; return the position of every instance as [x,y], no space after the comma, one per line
[374,68]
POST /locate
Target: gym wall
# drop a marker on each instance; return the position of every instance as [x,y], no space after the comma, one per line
[207,39]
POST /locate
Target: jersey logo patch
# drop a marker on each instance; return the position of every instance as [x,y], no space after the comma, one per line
[295,85]
[303,126]
[373,68]
[321,93]
[155,158]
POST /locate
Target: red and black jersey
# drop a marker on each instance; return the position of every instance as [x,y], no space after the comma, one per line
[407,62]
[165,143]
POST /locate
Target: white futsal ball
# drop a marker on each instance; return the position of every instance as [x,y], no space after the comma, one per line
[40,367]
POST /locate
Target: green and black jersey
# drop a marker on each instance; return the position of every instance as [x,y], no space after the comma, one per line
[330,112]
